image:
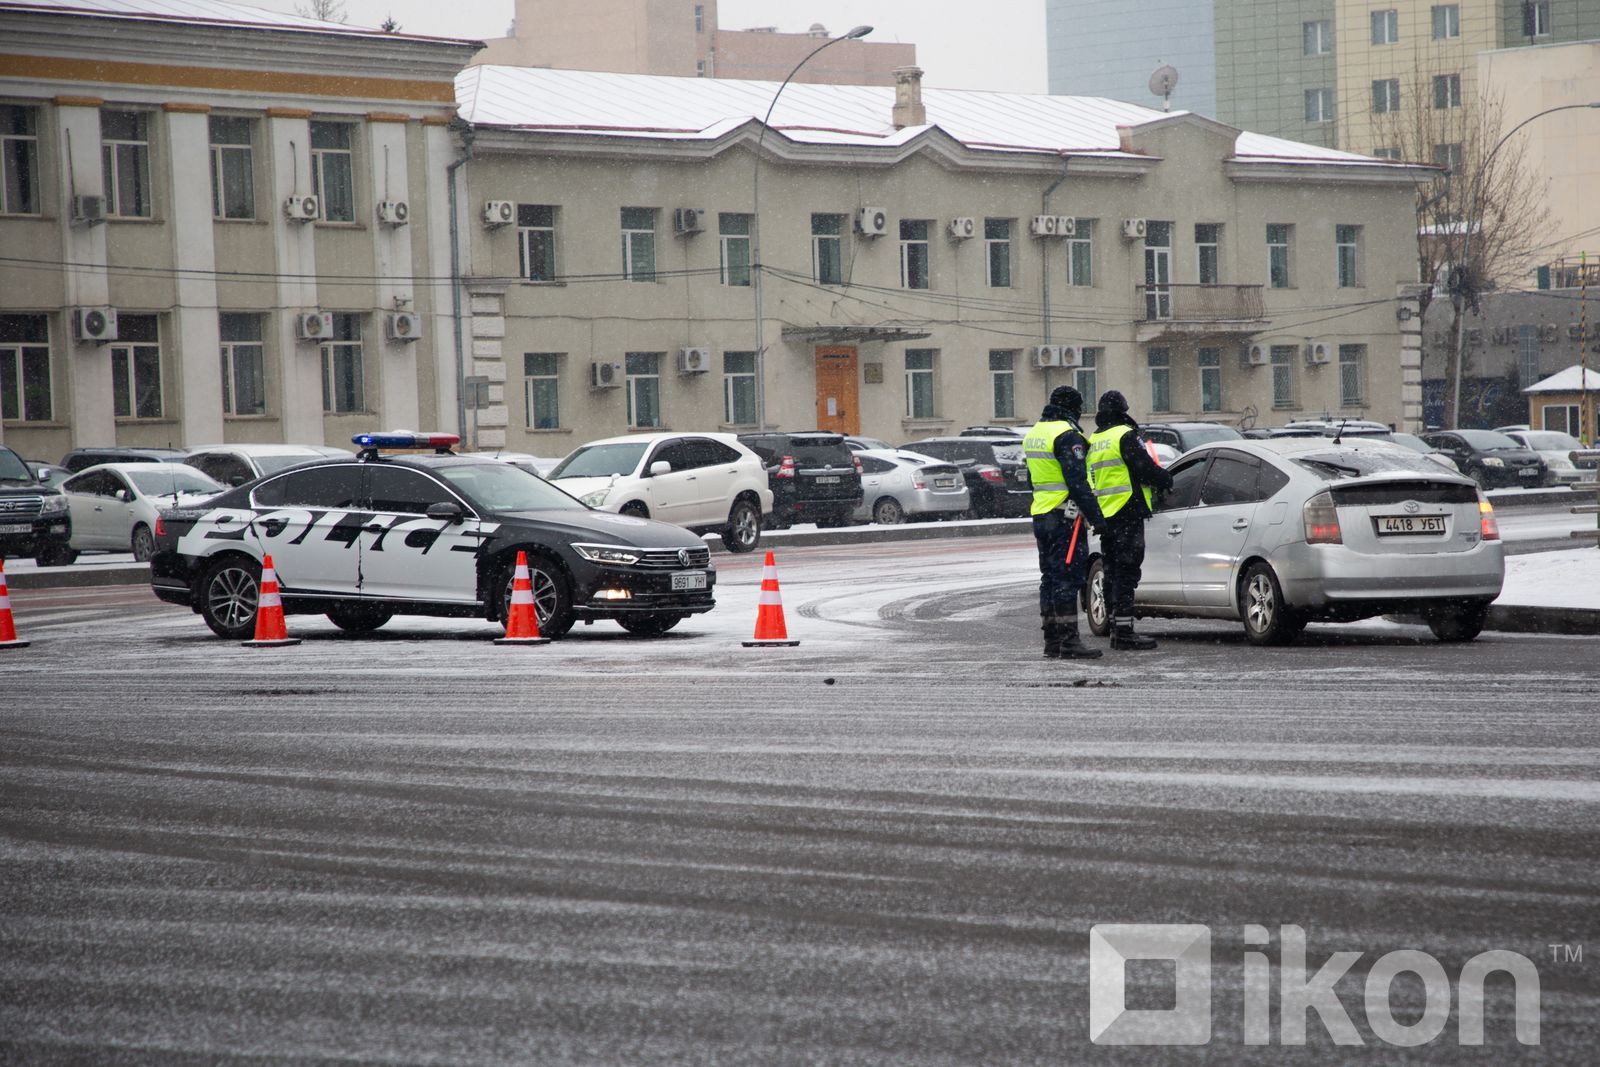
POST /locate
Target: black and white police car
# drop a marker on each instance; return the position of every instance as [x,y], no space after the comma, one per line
[376,535]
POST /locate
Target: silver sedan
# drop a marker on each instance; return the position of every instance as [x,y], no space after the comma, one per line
[1281,532]
[896,483]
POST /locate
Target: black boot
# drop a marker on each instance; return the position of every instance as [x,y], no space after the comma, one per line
[1052,638]
[1071,645]
[1125,640]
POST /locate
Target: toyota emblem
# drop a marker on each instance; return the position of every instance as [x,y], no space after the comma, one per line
[1412,507]
[683,557]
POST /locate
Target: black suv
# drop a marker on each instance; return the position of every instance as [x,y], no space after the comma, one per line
[33,518]
[814,475]
[993,465]
[83,458]
[1186,435]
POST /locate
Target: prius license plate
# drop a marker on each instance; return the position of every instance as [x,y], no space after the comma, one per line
[1411,524]
[685,580]
[944,483]
[24,528]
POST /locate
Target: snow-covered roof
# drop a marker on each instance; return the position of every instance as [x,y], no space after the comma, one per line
[704,109]
[199,13]
[1571,380]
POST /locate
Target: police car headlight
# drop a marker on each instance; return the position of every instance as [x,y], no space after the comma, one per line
[620,557]
[597,498]
[53,505]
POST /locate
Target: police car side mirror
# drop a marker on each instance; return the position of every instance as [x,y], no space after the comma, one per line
[660,466]
[447,510]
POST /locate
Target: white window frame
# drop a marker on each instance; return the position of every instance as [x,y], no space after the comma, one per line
[1541,17]
[1570,418]
[1316,37]
[922,383]
[1451,84]
[913,248]
[1086,376]
[1352,375]
[638,380]
[1283,249]
[532,383]
[1385,95]
[737,386]
[116,156]
[638,244]
[125,368]
[1209,361]
[1323,112]
[1386,26]
[1446,20]
[1159,362]
[819,240]
[250,352]
[1347,255]
[728,243]
[997,246]
[347,350]
[1386,152]
[15,356]
[322,180]
[1283,384]
[19,166]
[1210,241]
[1081,243]
[1003,381]
[221,152]
[528,233]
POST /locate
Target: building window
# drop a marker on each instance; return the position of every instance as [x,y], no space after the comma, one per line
[1352,375]
[644,389]
[25,368]
[919,383]
[1446,90]
[699,68]
[1347,251]
[343,376]
[1208,249]
[997,242]
[913,253]
[1318,37]
[1083,379]
[536,241]
[1387,152]
[125,156]
[1562,418]
[233,187]
[1448,156]
[1210,360]
[1283,357]
[244,388]
[1280,242]
[541,387]
[1160,360]
[699,18]
[333,171]
[1386,95]
[1386,26]
[1080,254]
[19,159]
[1535,18]
[1527,355]
[827,252]
[1446,21]
[734,231]
[136,368]
[1003,383]
[739,388]
[1319,105]
[639,244]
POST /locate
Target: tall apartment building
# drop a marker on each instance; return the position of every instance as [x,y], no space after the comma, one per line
[1110,48]
[682,38]
[1275,68]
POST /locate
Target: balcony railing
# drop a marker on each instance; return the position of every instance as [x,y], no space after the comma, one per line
[1198,310]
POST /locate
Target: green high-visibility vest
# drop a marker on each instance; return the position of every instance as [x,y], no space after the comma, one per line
[1044,470]
[1109,475]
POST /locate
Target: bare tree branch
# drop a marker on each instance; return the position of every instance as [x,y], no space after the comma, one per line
[325,10]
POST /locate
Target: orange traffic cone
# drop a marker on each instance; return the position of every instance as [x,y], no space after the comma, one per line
[270,628]
[8,629]
[770,630]
[522,625]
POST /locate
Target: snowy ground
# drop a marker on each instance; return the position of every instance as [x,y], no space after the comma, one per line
[1568,579]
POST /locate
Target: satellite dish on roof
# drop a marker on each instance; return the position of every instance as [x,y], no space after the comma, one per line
[1162,82]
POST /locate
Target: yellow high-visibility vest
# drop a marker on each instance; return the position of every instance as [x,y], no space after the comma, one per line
[1044,470]
[1109,475]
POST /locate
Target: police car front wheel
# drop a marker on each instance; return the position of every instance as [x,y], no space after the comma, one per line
[552,595]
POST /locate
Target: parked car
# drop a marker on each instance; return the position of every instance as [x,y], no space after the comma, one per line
[1555,448]
[996,474]
[84,458]
[856,443]
[1421,447]
[1491,459]
[995,431]
[1186,435]
[814,475]
[709,482]
[1278,533]
[114,505]
[1341,428]
[34,520]
[237,464]
[540,465]
[371,536]
[897,484]
[50,474]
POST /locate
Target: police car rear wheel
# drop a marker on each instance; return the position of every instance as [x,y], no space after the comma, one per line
[552,596]
[230,590]
[359,618]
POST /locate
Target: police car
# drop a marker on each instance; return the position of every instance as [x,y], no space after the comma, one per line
[375,535]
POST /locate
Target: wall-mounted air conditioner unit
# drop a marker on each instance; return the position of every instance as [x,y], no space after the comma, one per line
[1044,225]
[88,210]
[603,375]
[1066,225]
[1134,229]
[402,326]
[1071,356]
[687,220]
[1257,355]
[963,228]
[1048,355]
[694,360]
[872,222]
[94,324]
[301,208]
[394,212]
[1318,353]
[314,325]
[499,213]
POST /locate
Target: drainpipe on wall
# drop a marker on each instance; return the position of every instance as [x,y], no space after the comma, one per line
[455,279]
[1044,275]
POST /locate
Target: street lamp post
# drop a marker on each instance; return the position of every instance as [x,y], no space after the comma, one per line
[1468,282]
[756,267]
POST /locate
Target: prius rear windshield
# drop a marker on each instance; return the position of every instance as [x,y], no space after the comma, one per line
[1353,463]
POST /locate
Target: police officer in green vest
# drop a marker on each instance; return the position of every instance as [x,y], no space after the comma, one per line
[1063,505]
[1123,474]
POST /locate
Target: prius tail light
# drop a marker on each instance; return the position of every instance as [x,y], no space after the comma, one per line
[1321,520]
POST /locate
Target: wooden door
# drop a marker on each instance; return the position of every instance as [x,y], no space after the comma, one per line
[838,390]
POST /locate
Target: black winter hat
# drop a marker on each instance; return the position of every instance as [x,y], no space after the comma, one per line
[1113,403]
[1067,399]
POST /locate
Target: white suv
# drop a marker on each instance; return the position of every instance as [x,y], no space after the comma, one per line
[706,482]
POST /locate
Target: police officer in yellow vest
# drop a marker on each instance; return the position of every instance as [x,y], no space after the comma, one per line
[1123,474]
[1063,506]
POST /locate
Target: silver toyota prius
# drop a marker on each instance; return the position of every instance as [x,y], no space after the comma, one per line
[1278,533]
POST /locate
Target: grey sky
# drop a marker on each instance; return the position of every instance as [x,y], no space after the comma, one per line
[1001,49]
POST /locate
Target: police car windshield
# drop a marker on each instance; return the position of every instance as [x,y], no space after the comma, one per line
[503,487]
[601,461]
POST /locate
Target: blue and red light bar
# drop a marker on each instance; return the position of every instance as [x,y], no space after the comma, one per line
[406,440]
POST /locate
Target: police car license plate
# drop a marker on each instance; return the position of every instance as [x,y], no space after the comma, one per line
[23,528]
[685,580]
[1411,524]
[828,479]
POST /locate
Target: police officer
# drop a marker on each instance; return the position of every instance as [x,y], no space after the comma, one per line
[1063,504]
[1123,475]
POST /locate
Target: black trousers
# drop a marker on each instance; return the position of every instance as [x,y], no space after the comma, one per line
[1060,581]
[1123,552]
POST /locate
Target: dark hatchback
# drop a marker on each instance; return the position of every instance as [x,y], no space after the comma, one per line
[365,539]
[1492,459]
[814,476]
[996,473]
[84,458]
[33,517]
